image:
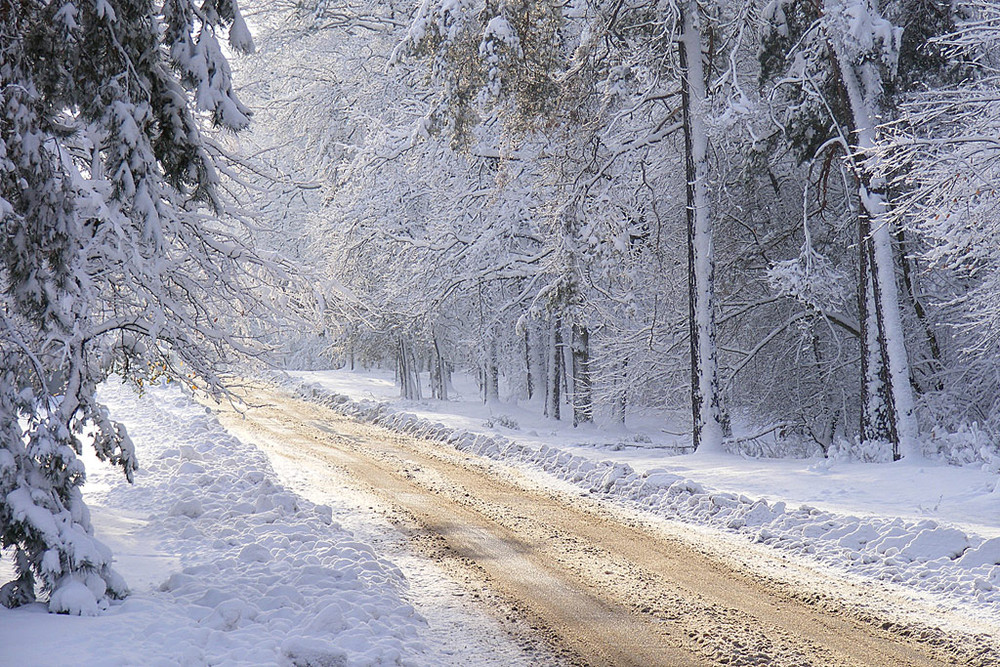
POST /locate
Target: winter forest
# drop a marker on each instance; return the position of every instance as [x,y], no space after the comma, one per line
[776,215]
[769,227]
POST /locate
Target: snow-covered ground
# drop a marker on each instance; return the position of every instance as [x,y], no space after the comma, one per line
[929,526]
[228,566]
[234,562]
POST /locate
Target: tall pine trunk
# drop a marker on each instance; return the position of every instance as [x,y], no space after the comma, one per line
[707,429]
[877,420]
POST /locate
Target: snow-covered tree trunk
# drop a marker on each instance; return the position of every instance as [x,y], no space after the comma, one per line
[491,374]
[554,369]
[440,374]
[877,423]
[891,328]
[568,379]
[529,373]
[620,404]
[406,371]
[862,83]
[707,430]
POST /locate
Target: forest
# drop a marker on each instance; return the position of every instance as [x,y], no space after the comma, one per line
[773,217]
[777,215]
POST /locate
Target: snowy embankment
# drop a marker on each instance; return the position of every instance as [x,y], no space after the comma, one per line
[959,559]
[226,565]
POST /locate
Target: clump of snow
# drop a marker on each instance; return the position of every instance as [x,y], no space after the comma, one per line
[239,35]
[810,278]
[74,597]
[189,507]
[936,542]
[987,553]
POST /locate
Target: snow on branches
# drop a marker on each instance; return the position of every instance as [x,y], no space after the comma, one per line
[484,52]
[110,260]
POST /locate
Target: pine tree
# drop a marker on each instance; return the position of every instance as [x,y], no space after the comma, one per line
[107,199]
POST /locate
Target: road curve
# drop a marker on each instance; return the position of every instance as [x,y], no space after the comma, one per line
[601,589]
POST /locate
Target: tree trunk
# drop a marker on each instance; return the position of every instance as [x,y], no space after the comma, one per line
[824,425]
[415,370]
[707,429]
[890,321]
[911,290]
[583,411]
[491,374]
[554,370]
[875,208]
[439,374]
[877,423]
[621,394]
[566,364]
[529,383]
[406,372]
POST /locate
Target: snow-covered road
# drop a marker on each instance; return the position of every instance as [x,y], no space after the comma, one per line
[927,528]
[598,582]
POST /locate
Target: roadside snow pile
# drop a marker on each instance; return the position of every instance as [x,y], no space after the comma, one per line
[260,575]
[917,553]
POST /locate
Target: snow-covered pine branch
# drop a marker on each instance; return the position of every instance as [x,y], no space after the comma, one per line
[115,257]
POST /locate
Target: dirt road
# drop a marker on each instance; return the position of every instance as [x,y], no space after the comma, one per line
[599,587]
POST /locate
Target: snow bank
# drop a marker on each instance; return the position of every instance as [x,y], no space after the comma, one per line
[917,553]
[256,574]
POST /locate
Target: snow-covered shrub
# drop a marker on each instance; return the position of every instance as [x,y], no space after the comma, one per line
[867,451]
[506,421]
